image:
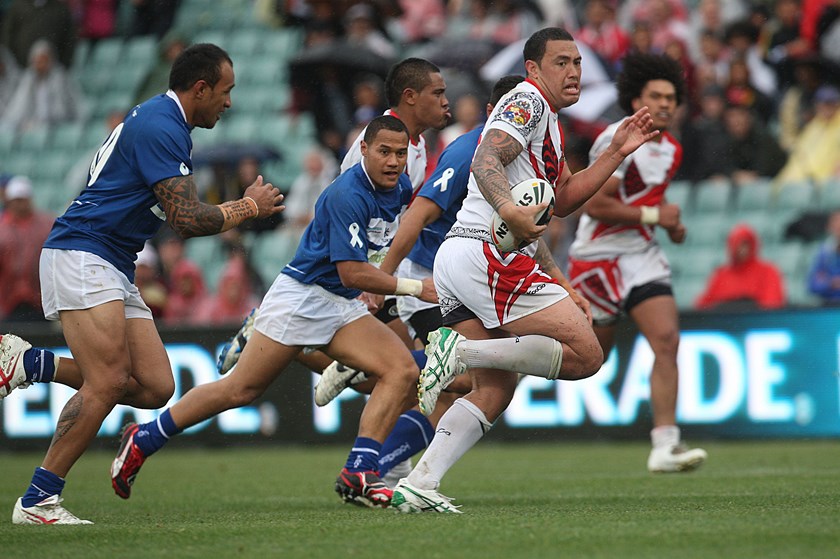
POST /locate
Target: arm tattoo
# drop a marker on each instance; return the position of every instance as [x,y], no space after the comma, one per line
[544,258]
[68,417]
[497,149]
[184,211]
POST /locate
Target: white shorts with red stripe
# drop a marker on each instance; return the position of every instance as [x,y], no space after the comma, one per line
[606,283]
[496,288]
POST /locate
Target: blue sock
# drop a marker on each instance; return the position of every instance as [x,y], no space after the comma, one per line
[419,357]
[364,457]
[44,484]
[150,437]
[410,435]
[39,365]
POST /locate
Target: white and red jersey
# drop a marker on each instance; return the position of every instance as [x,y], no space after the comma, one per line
[644,175]
[526,115]
[415,167]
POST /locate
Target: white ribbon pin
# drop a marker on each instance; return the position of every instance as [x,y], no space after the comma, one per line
[443,181]
[354,239]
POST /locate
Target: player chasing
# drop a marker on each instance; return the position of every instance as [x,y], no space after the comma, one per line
[141,176]
[416,94]
[508,313]
[616,261]
[313,304]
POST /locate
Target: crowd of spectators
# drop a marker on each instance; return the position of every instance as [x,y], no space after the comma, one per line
[762,100]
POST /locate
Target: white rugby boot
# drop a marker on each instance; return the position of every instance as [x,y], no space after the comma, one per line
[677,458]
[409,499]
[442,366]
[12,373]
[48,511]
[334,379]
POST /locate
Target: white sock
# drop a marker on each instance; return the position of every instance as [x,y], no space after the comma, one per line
[667,436]
[458,430]
[539,356]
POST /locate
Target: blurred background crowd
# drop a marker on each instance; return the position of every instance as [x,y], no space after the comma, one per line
[759,185]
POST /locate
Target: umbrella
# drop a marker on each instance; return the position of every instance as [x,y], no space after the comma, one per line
[597,90]
[347,59]
[232,153]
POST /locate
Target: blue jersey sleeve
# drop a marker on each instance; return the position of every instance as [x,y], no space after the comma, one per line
[349,216]
[162,152]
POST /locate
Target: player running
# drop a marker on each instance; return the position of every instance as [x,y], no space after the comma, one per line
[615,260]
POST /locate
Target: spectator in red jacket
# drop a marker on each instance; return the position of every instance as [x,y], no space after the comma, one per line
[746,281]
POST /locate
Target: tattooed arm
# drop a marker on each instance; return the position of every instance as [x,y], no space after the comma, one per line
[190,217]
[549,266]
[496,151]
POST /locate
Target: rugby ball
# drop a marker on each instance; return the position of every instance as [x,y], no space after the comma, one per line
[529,192]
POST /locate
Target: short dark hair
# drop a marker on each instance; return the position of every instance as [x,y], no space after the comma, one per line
[503,86]
[384,122]
[202,61]
[638,69]
[535,45]
[411,73]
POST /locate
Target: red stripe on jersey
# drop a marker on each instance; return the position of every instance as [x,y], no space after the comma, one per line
[599,281]
[509,277]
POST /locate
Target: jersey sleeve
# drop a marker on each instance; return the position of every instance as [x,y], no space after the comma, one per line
[448,183]
[354,153]
[518,114]
[162,152]
[348,222]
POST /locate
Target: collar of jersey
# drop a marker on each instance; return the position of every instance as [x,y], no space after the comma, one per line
[544,96]
[171,94]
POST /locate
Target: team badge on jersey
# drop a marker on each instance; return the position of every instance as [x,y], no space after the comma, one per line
[522,111]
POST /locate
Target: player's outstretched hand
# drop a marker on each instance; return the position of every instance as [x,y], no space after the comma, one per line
[633,132]
[429,294]
[520,220]
[267,197]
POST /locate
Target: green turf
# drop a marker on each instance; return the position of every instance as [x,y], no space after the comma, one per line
[753,499]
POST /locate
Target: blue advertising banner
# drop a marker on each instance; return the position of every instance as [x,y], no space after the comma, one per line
[746,375]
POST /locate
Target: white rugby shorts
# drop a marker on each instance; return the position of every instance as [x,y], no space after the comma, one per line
[498,290]
[607,283]
[297,314]
[406,304]
[73,280]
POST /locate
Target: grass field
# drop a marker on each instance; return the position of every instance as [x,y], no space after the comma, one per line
[753,499]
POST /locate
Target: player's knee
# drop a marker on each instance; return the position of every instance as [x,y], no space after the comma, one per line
[161,393]
[591,359]
[242,395]
[666,344]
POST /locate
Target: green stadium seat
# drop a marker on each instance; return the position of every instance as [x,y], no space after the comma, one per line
[754,196]
[795,197]
[80,55]
[829,194]
[260,71]
[788,257]
[767,226]
[706,230]
[702,261]
[242,128]
[218,38]
[67,135]
[712,197]
[20,163]
[679,193]
[687,289]
[34,140]
[243,44]
[283,43]
[140,51]
[106,53]
[272,251]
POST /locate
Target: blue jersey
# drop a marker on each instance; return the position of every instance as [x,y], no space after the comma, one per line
[446,187]
[353,221]
[118,212]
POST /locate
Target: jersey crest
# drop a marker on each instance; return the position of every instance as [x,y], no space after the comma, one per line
[522,111]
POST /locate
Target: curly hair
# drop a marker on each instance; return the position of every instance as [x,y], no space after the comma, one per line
[638,69]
